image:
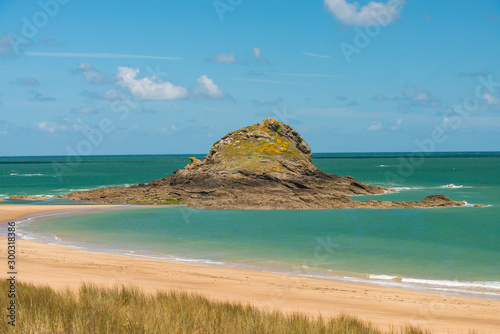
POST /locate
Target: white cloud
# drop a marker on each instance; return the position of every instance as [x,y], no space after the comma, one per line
[257,53]
[48,126]
[398,124]
[375,126]
[372,13]
[205,87]
[92,75]
[222,58]
[149,88]
[416,96]
[62,124]
[490,99]
[167,130]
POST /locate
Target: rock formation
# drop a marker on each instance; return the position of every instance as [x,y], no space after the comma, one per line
[30,198]
[263,166]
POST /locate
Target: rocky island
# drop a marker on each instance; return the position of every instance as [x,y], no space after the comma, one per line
[263,166]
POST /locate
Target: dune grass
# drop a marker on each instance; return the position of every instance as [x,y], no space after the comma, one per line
[40,309]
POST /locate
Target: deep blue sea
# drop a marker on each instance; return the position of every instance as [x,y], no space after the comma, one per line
[444,250]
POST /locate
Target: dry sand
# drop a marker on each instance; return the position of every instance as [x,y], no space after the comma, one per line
[62,267]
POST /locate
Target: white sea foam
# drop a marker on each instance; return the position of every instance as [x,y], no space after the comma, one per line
[27,175]
[452,186]
[383,277]
[405,188]
[484,286]
[446,186]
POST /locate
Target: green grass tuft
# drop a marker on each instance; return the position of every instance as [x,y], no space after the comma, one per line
[40,309]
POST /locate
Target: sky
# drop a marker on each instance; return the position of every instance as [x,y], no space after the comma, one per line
[172,77]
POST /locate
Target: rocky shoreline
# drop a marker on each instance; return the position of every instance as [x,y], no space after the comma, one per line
[263,166]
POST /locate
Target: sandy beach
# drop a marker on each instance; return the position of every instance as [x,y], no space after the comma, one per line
[61,267]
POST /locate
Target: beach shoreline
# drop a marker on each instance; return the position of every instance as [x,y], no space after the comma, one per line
[63,267]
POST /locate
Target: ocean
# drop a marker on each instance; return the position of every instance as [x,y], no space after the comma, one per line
[454,251]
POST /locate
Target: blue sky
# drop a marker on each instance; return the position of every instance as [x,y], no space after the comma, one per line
[167,77]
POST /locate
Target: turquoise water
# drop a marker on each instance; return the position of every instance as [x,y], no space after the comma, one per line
[446,250]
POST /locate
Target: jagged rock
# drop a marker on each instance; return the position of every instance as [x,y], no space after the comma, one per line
[30,198]
[263,166]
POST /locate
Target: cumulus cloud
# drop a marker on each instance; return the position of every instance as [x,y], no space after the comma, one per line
[61,124]
[420,97]
[149,88]
[206,88]
[412,96]
[375,126]
[92,75]
[222,58]
[371,13]
[257,55]
[47,126]
[398,125]
[416,96]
